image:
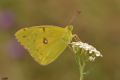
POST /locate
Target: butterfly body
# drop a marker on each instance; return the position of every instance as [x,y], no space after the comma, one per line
[45,43]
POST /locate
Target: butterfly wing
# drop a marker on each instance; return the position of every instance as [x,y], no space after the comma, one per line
[44,43]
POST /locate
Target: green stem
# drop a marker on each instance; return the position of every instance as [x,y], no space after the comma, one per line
[81,67]
[81,63]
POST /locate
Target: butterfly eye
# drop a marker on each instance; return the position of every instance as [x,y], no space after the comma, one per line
[45,41]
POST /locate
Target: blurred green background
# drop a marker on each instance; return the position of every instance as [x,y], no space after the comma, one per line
[98,24]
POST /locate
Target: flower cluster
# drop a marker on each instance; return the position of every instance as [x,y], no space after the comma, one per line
[91,51]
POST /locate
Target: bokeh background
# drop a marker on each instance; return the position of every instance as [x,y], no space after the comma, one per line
[98,24]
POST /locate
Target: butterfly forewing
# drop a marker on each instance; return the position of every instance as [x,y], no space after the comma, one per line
[44,43]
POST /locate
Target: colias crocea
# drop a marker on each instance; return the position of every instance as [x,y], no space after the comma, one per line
[46,42]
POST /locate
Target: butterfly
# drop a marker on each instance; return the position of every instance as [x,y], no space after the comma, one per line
[46,42]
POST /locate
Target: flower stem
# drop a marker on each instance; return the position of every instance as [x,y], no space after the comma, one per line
[81,63]
[81,68]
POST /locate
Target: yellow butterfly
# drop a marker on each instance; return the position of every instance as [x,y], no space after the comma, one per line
[46,42]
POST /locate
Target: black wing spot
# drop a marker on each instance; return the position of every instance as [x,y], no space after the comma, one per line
[24,36]
[45,41]
[24,29]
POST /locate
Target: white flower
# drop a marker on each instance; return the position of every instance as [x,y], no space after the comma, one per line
[91,50]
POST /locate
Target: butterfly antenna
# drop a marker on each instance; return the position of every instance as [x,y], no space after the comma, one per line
[73,18]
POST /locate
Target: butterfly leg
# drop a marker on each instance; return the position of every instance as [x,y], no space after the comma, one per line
[75,37]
